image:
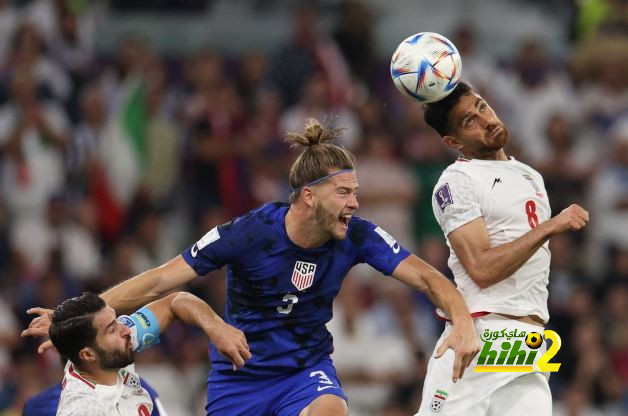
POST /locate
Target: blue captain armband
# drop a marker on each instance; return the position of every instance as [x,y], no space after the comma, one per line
[144,328]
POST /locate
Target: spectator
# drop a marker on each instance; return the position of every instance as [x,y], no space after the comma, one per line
[315,103]
[33,137]
[534,89]
[608,199]
[28,54]
[310,52]
[355,39]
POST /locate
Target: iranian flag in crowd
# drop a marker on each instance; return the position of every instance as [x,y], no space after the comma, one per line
[123,155]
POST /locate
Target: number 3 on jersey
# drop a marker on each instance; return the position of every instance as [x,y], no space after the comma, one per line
[533,219]
[291,299]
[323,379]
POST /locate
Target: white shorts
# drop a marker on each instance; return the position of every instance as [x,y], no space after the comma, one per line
[485,394]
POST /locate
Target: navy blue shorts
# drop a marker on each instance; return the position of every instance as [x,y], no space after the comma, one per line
[233,395]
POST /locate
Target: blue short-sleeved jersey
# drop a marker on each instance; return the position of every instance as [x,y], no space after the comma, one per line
[279,294]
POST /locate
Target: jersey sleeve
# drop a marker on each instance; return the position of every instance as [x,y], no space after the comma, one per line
[376,247]
[158,408]
[214,249]
[81,403]
[455,202]
[154,397]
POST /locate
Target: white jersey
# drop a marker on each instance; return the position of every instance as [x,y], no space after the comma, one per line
[81,397]
[511,198]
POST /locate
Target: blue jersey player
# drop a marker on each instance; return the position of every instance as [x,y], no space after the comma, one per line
[285,265]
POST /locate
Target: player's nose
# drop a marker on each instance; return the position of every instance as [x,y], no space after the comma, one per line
[353,202]
[489,127]
[487,121]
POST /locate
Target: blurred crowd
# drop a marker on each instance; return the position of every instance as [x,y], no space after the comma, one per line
[113,164]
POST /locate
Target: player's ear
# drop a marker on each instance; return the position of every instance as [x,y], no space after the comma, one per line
[87,355]
[308,197]
[452,142]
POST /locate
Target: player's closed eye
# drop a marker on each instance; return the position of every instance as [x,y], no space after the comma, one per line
[347,193]
[111,329]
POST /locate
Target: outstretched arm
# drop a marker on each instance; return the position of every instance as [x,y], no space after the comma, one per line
[229,341]
[489,265]
[126,296]
[463,339]
[149,285]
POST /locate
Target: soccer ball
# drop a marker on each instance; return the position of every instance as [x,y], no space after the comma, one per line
[426,67]
[534,340]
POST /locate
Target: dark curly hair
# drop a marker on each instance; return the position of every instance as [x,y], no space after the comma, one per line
[436,114]
[72,327]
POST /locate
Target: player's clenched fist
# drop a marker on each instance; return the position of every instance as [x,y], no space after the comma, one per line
[231,343]
[571,218]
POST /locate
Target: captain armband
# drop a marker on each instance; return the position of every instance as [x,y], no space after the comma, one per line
[144,328]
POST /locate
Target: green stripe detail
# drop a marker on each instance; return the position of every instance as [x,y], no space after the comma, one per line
[134,122]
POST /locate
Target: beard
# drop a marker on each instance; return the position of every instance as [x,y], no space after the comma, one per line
[327,223]
[114,360]
[500,140]
[492,145]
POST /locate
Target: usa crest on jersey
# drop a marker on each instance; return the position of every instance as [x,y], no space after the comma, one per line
[303,275]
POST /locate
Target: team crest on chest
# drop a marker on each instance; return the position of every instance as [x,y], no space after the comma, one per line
[438,400]
[303,275]
[132,381]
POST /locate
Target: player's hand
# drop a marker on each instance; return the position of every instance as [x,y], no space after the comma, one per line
[464,341]
[231,343]
[39,327]
[571,218]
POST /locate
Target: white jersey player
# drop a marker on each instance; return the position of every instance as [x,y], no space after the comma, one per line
[495,214]
[100,379]
[80,396]
[511,199]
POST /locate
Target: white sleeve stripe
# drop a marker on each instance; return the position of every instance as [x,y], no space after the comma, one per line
[160,407]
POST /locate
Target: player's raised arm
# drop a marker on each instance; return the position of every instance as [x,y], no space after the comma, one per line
[126,296]
[149,285]
[229,341]
[463,340]
[209,253]
[213,251]
[489,265]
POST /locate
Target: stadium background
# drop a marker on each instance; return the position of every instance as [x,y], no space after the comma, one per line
[129,128]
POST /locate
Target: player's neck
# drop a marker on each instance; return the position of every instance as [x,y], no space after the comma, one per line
[301,230]
[498,155]
[98,375]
